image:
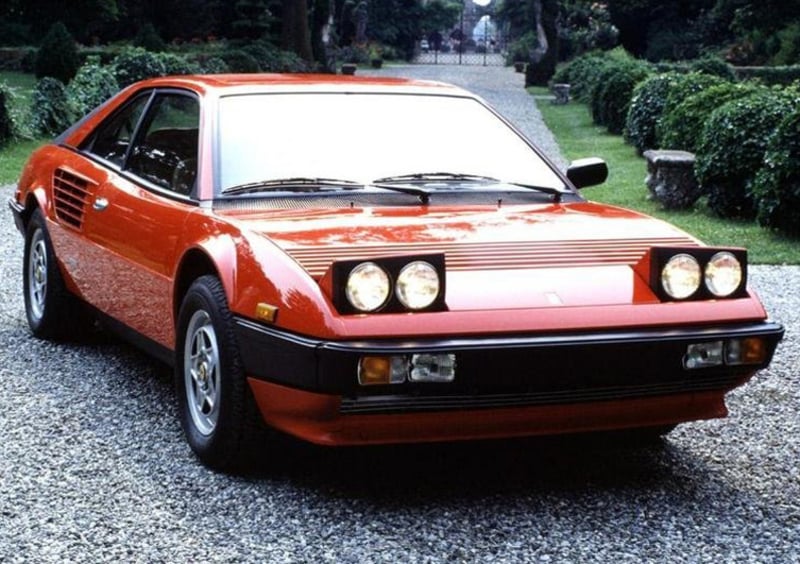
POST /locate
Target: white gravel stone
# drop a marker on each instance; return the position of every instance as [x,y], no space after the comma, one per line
[93,468]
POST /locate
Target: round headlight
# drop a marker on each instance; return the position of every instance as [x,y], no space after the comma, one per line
[417,285]
[368,287]
[723,274]
[680,277]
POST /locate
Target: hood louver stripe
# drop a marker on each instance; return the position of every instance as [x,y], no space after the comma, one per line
[71,193]
[496,256]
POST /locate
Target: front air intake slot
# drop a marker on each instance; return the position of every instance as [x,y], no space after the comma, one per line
[71,193]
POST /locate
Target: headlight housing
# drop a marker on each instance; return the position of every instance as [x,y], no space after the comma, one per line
[723,274]
[417,285]
[387,284]
[681,276]
[368,287]
[697,273]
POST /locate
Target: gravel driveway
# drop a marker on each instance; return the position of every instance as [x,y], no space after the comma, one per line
[93,468]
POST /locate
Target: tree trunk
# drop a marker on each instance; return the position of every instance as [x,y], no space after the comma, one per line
[544,56]
[296,34]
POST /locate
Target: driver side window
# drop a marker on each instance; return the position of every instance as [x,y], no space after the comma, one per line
[165,149]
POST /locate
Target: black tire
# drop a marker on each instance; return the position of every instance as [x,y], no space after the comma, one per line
[52,312]
[216,408]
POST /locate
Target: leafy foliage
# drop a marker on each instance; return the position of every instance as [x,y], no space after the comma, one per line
[240,61]
[732,147]
[646,108]
[177,64]
[776,187]
[92,85]
[715,66]
[581,73]
[612,92]
[681,125]
[7,127]
[685,86]
[135,63]
[58,55]
[51,112]
[148,38]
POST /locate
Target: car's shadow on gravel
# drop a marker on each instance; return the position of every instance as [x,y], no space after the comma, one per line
[412,474]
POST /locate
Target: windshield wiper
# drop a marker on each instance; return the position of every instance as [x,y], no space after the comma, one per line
[434,177]
[297,184]
[555,192]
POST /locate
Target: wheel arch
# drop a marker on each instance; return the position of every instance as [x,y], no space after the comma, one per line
[197,262]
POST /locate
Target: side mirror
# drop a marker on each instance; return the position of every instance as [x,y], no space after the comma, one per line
[587,172]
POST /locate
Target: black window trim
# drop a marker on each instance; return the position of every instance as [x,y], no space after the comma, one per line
[123,171]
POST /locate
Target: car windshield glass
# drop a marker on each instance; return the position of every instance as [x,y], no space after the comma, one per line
[369,137]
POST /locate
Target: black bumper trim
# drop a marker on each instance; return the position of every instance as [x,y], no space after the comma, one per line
[17,210]
[540,368]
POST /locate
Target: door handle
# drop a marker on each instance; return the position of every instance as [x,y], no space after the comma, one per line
[100,204]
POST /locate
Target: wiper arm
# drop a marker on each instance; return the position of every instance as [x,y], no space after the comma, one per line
[555,192]
[433,177]
[298,183]
[423,195]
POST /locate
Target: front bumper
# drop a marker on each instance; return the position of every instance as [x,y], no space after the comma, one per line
[17,210]
[536,383]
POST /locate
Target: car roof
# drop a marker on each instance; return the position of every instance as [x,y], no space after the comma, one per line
[222,84]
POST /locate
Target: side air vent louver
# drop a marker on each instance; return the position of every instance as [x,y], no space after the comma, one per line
[71,193]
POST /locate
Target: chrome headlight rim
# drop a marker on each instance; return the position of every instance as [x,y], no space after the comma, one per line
[680,289]
[357,287]
[410,286]
[709,274]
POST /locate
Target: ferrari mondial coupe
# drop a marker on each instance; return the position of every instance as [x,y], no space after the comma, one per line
[365,261]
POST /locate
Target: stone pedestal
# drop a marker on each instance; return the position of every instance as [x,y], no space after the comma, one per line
[671,179]
[561,93]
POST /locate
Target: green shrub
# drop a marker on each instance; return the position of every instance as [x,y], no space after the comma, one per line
[177,64]
[149,39]
[580,74]
[7,127]
[213,65]
[92,85]
[240,61]
[776,187]
[612,92]
[770,75]
[680,126]
[646,108]
[51,112]
[685,86]
[713,65]
[271,59]
[58,56]
[134,64]
[732,147]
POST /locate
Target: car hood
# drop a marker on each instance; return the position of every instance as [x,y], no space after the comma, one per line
[562,254]
[472,238]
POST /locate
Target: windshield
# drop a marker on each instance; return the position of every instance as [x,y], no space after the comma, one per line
[362,138]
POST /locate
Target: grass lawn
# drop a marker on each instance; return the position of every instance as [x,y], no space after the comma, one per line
[579,137]
[13,156]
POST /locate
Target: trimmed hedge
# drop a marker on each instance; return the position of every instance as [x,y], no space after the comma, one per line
[776,187]
[134,64]
[680,127]
[611,96]
[783,75]
[7,128]
[685,86]
[732,147]
[92,85]
[51,112]
[58,55]
[581,74]
[646,109]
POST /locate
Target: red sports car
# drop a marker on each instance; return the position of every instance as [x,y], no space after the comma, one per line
[357,261]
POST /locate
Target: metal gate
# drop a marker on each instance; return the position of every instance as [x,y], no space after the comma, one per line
[476,39]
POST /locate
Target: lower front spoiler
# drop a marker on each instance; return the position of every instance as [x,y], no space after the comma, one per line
[316,418]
